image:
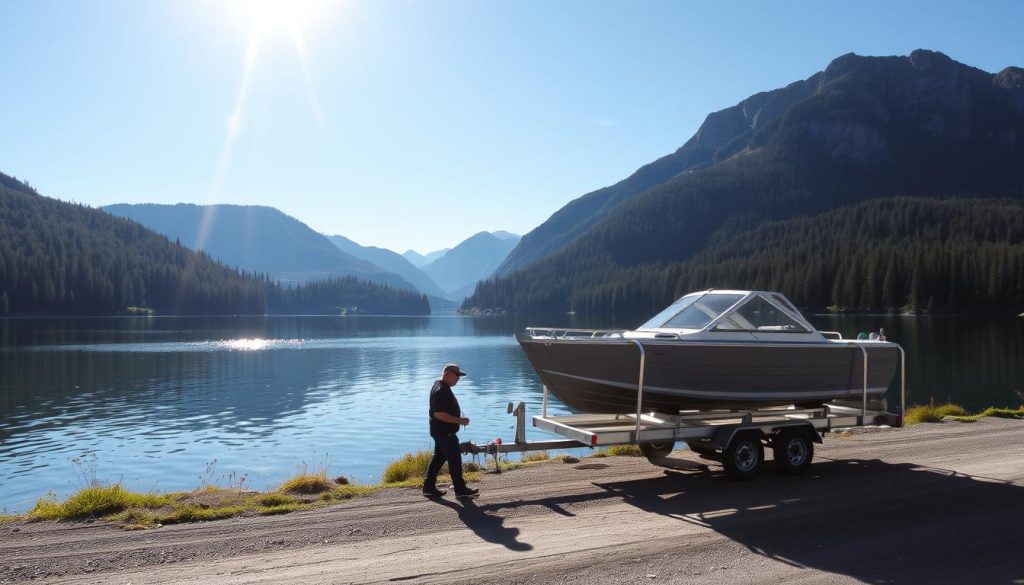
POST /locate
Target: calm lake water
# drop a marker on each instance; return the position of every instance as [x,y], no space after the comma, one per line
[169,403]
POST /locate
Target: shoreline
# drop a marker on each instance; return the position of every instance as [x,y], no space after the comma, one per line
[950,516]
[307,490]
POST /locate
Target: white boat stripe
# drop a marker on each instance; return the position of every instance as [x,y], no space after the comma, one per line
[852,392]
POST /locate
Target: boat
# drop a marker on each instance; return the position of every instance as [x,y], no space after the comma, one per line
[714,349]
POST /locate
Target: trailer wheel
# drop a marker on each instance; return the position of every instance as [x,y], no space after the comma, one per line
[743,456]
[793,451]
[656,450]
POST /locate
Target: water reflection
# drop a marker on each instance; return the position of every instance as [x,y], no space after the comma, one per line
[158,398]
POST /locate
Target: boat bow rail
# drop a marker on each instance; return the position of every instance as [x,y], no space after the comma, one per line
[569,333]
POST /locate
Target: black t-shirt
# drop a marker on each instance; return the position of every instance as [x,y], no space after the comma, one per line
[442,399]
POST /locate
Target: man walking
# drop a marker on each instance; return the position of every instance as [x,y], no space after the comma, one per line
[445,418]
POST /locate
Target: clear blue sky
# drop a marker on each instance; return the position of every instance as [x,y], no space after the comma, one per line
[413,124]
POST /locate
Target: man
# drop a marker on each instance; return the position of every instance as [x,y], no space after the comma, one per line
[445,418]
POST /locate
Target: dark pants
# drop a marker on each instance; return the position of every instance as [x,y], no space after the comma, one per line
[446,448]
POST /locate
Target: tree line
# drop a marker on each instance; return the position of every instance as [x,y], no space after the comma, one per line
[891,254]
[64,258]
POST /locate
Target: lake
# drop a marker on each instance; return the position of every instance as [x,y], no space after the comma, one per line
[170,403]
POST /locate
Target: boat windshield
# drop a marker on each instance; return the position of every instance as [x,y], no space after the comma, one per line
[693,311]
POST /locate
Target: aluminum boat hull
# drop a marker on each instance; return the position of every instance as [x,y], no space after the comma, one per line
[600,375]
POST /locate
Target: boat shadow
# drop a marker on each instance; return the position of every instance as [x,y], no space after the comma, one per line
[871,520]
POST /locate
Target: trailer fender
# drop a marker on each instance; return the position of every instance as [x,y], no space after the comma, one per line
[723,436]
[803,426]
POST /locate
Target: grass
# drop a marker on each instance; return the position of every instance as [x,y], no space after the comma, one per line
[624,451]
[996,412]
[930,413]
[411,466]
[920,414]
[535,457]
[94,502]
[308,483]
[408,471]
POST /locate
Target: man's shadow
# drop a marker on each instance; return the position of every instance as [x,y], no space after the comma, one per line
[486,526]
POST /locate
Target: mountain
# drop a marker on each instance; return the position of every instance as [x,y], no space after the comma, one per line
[474,259]
[258,239]
[419,260]
[398,264]
[865,128]
[63,258]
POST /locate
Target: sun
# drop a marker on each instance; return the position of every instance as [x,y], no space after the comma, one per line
[278,16]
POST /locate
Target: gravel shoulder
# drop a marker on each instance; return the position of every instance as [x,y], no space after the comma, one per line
[936,503]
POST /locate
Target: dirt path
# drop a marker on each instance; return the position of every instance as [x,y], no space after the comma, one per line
[932,503]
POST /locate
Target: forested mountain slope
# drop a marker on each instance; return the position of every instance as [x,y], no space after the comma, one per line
[882,254]
[62,258]
[875,127]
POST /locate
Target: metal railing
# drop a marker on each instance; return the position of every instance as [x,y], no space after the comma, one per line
[564,332]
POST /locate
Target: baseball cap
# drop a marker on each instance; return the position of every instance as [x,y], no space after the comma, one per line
[454,368]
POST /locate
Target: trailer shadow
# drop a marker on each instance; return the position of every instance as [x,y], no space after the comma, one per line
[874,521]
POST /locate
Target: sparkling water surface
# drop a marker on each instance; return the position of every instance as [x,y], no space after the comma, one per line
[169,403]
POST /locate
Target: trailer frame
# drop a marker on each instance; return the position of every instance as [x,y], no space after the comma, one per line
[714,434]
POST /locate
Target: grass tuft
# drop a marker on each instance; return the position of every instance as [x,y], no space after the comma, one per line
[535,457]
[274,499]
[929,413]
[94,502]
[282,509]
[308,483]
[411,466]
[190,513]
[624,451]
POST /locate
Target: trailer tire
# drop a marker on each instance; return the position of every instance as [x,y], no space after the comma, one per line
[793,451]
[743,457]
[656,450]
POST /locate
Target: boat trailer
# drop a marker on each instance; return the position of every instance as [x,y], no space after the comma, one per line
[736,438]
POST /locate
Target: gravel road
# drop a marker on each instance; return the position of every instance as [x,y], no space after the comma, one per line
[935,503]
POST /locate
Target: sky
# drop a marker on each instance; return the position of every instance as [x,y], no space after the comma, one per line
[412,124]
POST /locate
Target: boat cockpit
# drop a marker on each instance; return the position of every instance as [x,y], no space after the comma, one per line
[730,315]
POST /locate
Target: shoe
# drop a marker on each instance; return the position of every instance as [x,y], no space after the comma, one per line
[433,492]
[467,493]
